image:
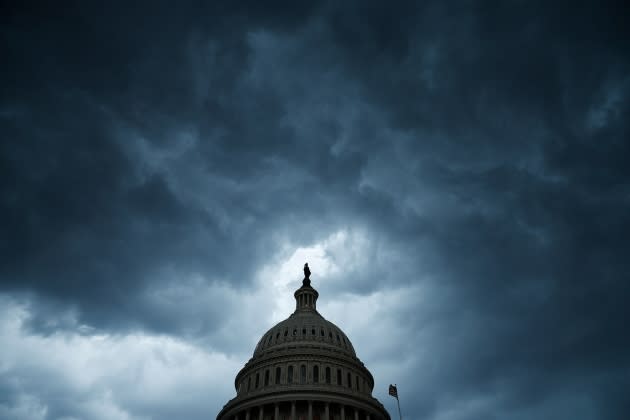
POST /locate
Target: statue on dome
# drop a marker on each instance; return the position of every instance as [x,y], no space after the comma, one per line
[307,275]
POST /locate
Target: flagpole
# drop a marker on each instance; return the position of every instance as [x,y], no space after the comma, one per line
[398,401]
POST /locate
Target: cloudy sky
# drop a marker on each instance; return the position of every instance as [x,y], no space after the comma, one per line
[455,173]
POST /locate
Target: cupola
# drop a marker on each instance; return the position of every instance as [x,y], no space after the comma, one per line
[306,296]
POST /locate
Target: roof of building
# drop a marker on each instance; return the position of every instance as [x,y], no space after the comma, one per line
[304,326]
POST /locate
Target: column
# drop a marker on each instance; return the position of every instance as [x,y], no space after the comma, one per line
[367,416]
[310,410]
[343,413]
[261,410]
[327,412]
[276,414]
[356,413]
[292,410]
[247,414]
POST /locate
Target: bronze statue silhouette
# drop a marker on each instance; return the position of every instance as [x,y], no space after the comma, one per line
[307,275]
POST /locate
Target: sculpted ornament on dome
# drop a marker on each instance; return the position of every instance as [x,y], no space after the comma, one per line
[307,275]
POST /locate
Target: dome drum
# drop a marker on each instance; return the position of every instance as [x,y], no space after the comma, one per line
[297,372]
[322,407]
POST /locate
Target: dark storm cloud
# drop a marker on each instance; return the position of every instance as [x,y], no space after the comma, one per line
[536,246]
[82,224]
[483,144]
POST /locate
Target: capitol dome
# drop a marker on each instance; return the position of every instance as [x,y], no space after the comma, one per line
[304,368]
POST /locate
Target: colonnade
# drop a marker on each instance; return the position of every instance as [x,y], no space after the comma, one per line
[308,410]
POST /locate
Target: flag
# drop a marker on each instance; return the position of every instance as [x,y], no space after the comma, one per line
[393,391]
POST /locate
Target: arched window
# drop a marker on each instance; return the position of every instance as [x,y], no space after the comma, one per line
[316,374]
[303,374]
[277,336]
[290,375]
[338,340]
[313,331]
[322,332]
[330,335]
[286,332]
[257,381]
[267,377]
[338,376]
[278,373]
[349,380]
[327,375]
[303,331]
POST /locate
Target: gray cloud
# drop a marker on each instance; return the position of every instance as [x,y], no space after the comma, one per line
[462,165]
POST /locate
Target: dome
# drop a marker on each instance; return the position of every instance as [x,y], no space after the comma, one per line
[305,328]
[304,368]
